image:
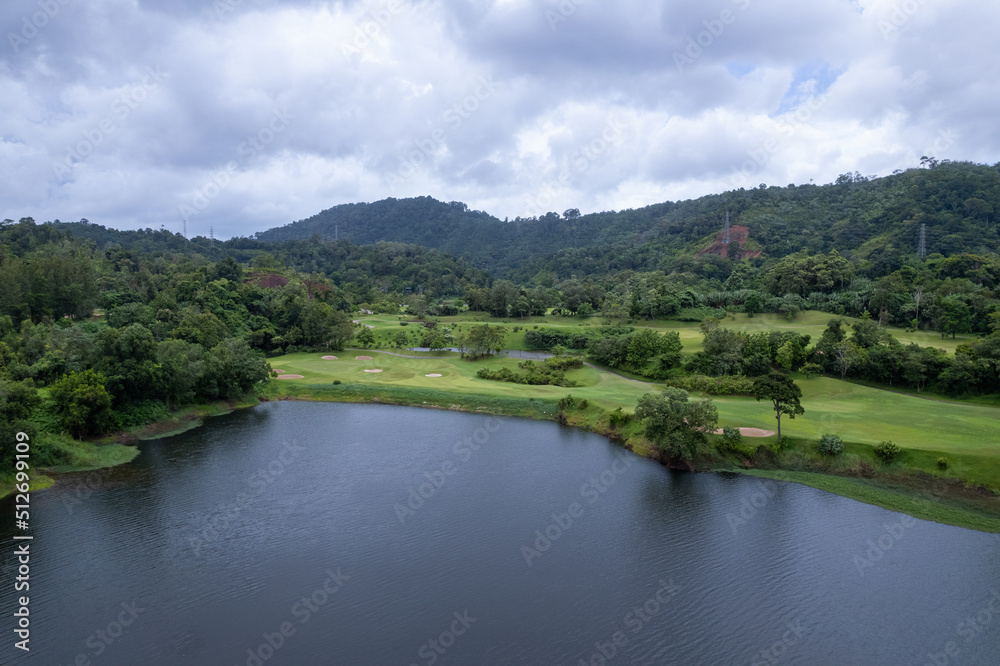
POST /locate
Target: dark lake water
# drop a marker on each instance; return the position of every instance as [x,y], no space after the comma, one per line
[310,533]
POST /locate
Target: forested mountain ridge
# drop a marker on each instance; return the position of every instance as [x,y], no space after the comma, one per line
[876,219]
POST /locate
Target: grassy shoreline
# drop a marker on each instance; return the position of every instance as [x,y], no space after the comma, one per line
[119,448]
[947,499]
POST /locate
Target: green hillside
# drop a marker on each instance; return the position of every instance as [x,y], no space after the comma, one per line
[878,219]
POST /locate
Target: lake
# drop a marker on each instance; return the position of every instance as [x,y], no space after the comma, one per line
[312,533]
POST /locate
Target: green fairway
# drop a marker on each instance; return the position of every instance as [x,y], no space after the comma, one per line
[601,388]
[857,413]
[809,322]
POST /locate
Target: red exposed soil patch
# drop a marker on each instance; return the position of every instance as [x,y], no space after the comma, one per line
[738,236]
[315,288]
[270,280]
[275,281]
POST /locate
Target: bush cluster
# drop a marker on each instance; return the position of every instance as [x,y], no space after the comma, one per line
[831,445]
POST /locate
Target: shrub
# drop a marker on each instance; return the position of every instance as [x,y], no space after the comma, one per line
[810,369]
[618,418]
[336,381]
[404,323]
[831,445]
[887,451]
[725,385]
[732,437]
[942,464]
[732,442]
[567,402]
[583,404]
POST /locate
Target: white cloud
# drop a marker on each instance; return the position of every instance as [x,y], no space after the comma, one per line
[502,104]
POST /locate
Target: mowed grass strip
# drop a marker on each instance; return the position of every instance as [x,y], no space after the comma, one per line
[856,413]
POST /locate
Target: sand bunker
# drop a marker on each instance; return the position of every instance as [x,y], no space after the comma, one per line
[280,372]
[751,432]
[330,358]
[433,375]
[290,377]
[375,370]
[363,358]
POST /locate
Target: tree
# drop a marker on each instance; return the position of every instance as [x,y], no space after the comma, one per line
[647,345]
[782,392]
[674,423]
[846,355]
[322,326]
[754,303]
[127,360]
[434,339]
[994,319]
[957,317]
[181,370]
[483,340]
[233,368]
[82,403]
[503,297]
[867,333]
[786,355]
[811,369]
[364,338]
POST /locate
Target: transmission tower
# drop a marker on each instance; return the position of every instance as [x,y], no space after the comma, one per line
[211,236]
[922,248]
[725,234]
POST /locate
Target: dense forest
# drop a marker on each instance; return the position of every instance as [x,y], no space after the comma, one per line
[101,330]
[874,221]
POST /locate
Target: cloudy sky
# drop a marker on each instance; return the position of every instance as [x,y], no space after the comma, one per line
[242,115]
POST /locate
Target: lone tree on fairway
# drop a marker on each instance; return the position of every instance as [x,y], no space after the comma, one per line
[783,393]
[364,338]
[676,425]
